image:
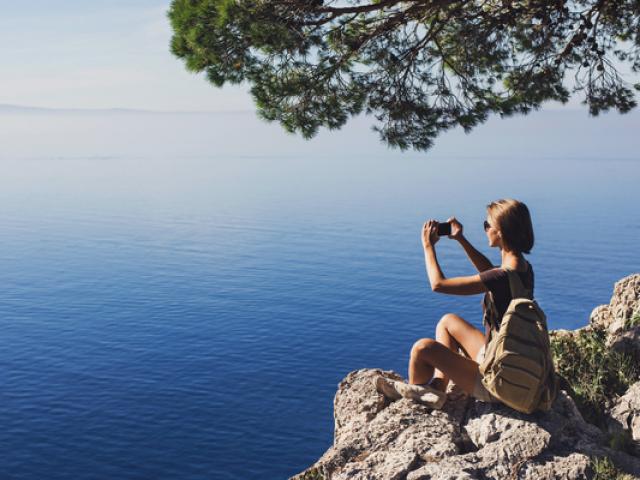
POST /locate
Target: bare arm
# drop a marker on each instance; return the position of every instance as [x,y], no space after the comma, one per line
[470,285]
[481,262]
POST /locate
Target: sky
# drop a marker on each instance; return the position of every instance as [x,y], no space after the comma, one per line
[100,54]
[105,54]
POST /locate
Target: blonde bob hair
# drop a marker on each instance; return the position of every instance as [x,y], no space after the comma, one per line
[513,220]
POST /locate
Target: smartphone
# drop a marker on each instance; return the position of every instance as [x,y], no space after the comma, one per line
[444,229]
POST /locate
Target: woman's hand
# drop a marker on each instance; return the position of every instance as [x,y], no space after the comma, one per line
[456,228]
[429,233]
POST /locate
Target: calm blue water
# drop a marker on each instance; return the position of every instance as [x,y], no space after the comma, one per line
[191,318]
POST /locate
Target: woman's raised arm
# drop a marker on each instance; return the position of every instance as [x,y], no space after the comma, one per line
[479,261]
[470,285]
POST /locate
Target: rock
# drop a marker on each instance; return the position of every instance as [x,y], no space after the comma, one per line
[626,341]
[625,303]
[624,417]
[372,434]
[467,439]
[561,333]
[601,316]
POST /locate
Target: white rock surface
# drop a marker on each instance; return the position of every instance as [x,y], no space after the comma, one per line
[625,415]
[468,439]
[625,302]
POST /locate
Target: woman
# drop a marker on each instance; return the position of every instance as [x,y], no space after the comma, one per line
[434,362]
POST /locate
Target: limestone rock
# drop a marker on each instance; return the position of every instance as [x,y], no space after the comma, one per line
[601,316]
[373,435]
[625,302]
[625,415]
[467,439]
[626,341]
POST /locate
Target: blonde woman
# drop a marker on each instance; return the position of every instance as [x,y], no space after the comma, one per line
[458,348]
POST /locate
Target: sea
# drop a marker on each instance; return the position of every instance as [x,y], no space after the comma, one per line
[190,317]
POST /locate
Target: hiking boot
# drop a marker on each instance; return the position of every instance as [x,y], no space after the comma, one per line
[387,388]
[394,390]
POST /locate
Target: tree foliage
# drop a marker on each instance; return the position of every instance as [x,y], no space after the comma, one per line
[420,67]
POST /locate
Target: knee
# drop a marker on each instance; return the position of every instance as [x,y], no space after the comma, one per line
[422,346]
[446,321]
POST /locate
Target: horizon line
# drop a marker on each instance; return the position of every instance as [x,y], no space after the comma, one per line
[4,107]
[8,107]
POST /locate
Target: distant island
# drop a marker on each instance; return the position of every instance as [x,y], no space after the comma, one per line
[20,109]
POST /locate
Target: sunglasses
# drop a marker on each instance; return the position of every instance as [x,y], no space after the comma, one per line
[487,226]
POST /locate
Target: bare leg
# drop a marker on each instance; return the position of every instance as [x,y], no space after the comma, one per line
[454,332]
[427,355]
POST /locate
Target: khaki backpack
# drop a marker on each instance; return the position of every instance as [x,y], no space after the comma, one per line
[518,366]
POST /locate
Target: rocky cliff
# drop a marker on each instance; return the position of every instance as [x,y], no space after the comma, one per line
[378,439]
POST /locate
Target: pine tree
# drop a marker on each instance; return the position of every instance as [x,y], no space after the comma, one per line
[419,67]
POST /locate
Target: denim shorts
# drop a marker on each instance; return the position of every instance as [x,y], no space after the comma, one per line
[479,390]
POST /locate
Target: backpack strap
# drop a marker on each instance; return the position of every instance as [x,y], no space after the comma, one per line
[489,314]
